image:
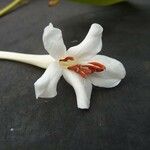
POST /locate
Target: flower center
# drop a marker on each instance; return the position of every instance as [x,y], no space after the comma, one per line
[82,69]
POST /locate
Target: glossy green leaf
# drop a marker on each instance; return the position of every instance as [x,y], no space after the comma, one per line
[99,2]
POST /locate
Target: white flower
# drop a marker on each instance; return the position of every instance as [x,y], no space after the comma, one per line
[80,66]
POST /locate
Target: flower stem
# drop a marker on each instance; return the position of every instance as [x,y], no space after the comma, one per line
[41,61]
[11,6]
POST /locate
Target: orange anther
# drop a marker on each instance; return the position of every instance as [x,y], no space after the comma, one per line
[67,58]
[85,70]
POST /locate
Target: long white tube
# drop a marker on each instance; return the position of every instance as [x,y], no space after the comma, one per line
[41,61]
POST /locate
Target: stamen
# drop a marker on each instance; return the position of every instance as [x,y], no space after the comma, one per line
[85,70]
[99,65]
[67,58]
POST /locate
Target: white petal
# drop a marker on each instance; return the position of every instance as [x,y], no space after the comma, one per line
[113,74]
[46,85]
[82,87]
[53,41]
[90,46]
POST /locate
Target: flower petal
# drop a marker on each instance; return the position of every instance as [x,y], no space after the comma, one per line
[90,46]
[53,41]
[113,74]
[46,85]
[82,87]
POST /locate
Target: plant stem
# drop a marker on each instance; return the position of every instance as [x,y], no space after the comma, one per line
[11,6]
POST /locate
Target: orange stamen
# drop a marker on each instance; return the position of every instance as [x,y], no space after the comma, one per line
[82,70]
[85,70]
[99,65]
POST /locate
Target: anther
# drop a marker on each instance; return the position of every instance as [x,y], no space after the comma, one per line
[85,70]
[67,58]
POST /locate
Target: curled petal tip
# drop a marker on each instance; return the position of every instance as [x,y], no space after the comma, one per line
[50,25]
[96,29]
[53,41]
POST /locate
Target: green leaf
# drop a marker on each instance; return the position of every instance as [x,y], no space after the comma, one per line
[99,2]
